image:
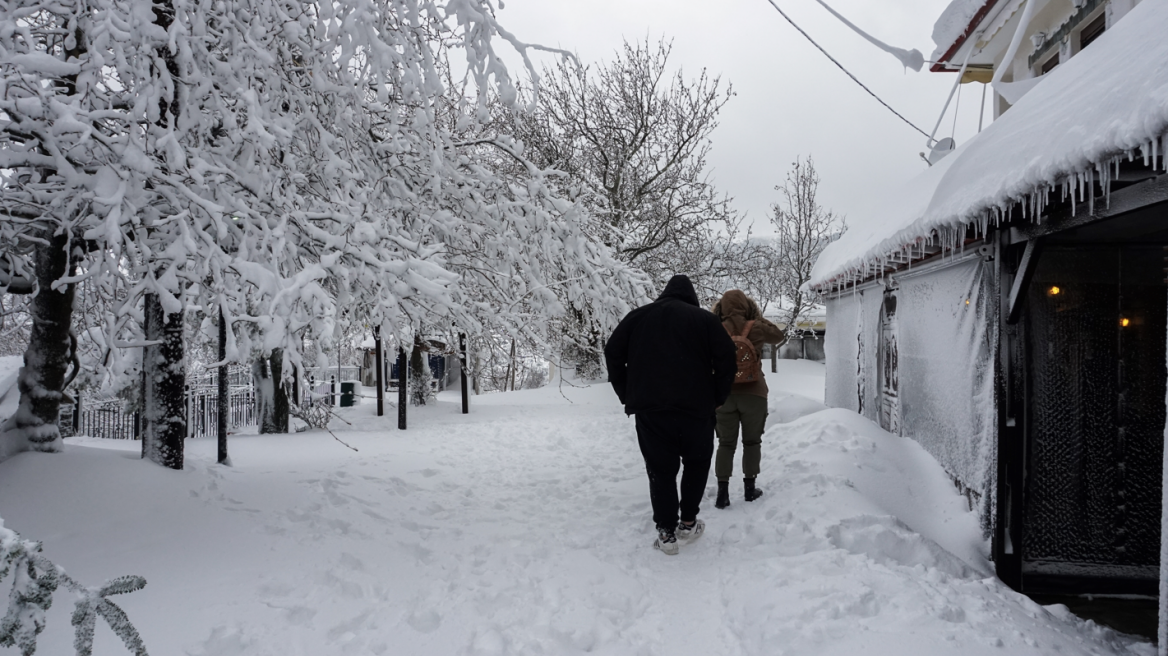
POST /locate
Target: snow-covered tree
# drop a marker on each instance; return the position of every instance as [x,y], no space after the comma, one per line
[296,165]
[630,139]
[633,138]
[804,229]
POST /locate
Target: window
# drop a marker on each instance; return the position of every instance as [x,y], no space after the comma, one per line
[1092,31]
[1049,65]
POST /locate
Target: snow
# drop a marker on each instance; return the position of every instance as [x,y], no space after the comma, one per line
[885,227]
[1109,101]
[9,394]
[952,24]
[524,528]
[908,58]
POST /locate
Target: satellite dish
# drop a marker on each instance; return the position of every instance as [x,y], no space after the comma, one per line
[940,149]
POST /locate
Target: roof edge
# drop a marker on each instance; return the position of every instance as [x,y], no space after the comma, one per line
[973,23]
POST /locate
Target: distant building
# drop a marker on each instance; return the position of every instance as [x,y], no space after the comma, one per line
[1008,308]
[807,342]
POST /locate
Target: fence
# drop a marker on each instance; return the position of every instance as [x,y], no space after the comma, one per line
[104,419]
[109,420]
[203,410]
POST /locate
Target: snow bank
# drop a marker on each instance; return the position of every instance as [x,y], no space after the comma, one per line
[525,528]
[1110,100]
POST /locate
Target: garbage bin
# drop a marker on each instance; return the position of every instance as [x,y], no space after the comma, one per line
[348,394]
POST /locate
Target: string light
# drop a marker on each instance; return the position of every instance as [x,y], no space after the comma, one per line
[1125,322]
[1054,291]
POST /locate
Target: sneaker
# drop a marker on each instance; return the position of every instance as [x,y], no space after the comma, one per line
[666,542]
[688,533]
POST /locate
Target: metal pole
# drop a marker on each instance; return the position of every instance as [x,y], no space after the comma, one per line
[333,391]
[462,371]
[224,400]
[380,371]
[401,388]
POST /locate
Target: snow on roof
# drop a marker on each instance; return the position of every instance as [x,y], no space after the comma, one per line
[953,24]
[1109,100]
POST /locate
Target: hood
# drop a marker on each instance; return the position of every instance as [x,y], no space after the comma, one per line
[680,288]
[736,308]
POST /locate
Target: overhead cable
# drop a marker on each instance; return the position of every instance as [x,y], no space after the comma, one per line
[841,67]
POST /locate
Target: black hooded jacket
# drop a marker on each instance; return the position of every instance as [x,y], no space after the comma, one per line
[671,355]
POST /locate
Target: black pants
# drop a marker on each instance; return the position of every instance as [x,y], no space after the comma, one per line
[669,441]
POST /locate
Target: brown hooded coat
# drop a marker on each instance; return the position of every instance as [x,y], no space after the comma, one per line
[735,309]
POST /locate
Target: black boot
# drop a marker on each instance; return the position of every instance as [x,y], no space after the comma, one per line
[752,492]
[723,499]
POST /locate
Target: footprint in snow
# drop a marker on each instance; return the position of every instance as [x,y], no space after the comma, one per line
[425,621]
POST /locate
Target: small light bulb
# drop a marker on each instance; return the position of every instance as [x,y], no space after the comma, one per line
[967,301]
[1055,291]
[1125,322]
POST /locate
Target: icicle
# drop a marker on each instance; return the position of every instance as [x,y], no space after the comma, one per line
[1107,181]
[1074,206]
[1090,191]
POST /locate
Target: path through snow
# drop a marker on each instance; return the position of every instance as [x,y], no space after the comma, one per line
[524,528]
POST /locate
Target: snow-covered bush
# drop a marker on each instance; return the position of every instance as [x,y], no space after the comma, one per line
[34,580]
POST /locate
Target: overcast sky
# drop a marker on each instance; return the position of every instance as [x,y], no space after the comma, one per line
[790,100]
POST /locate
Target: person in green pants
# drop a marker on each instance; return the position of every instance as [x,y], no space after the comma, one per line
[747,405]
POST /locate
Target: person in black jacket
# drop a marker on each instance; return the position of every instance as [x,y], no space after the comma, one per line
[671,364]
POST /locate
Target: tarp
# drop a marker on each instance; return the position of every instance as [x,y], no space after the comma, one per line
[850,347]
[946,349]
[945,322]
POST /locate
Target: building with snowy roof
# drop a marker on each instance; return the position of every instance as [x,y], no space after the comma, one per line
[1007,308]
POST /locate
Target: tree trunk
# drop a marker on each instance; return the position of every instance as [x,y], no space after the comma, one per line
[42,378]
[224,402]
[280,397]
[419,375]
[271,395]
[512,365]
[164,402]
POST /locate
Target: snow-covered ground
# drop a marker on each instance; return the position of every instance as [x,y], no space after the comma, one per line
[524,528]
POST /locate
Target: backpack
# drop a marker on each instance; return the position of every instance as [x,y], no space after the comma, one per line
[745,355]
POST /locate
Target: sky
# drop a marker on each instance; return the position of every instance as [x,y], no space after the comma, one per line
[790,101]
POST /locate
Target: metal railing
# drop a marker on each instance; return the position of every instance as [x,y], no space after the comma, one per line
[110,420]
[203,410]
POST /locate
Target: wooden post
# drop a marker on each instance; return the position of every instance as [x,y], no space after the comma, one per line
[775,358]
[77,413]
[380,371]
[462,371]
[224,401]
[401,388]
[333,391]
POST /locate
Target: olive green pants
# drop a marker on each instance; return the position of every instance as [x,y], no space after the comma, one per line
[750,411]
